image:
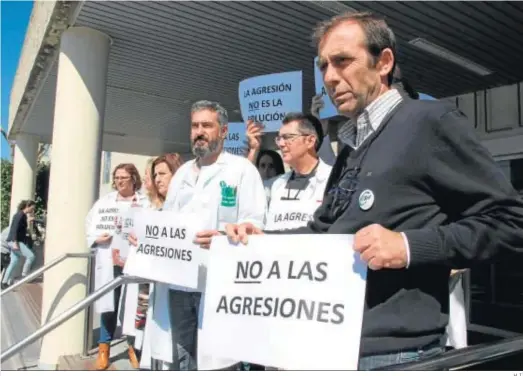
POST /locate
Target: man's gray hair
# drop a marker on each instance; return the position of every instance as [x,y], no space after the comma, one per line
[223,119]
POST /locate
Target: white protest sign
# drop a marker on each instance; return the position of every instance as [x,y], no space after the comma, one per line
[105,219]
[267,99]
[127,224]
[235,141]
[287,301]
[166,251]
[328,110]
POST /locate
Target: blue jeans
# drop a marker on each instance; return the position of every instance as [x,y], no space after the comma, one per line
[370,362]
[108,320]
[23,250]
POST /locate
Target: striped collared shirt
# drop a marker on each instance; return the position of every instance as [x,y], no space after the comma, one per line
[354,133]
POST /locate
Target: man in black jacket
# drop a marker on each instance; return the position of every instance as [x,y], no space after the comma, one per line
[415,186]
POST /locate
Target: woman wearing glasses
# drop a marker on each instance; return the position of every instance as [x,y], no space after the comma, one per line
[100,228]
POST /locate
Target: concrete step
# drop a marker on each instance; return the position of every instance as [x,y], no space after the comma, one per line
[119,360]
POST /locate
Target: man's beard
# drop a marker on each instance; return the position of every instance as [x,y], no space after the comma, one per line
[205,150]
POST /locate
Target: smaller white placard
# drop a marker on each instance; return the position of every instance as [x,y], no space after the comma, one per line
[127,228]
[166,251]
[105,219]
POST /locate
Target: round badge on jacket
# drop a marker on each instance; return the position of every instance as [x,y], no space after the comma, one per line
[366,199]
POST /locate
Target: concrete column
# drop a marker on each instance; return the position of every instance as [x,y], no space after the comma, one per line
[74,181]
[24,173]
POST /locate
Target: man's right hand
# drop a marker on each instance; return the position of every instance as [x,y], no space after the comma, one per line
[132,239]
[240,233]
[316,105]
[253,134]
[103,239]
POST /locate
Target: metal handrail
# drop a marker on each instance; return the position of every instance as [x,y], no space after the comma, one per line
[68,314]
[464,358]
[38,272]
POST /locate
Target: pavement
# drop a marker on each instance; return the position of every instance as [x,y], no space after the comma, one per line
[20,317]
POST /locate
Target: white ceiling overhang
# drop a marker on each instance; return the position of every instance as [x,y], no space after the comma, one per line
[167,55]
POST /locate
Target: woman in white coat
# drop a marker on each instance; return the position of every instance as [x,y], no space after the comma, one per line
[100,228]
[163,169]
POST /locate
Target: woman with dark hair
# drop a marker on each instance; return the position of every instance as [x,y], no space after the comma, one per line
[101,225]
[19,242]
[270,164]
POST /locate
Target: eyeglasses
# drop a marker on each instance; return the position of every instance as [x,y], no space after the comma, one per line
[123,178]
[288,137]
[343,192]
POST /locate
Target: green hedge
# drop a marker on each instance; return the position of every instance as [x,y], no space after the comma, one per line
[42,185]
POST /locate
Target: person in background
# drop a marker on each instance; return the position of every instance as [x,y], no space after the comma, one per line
[299,191]
[20,242]
[415,186]
[268,162]
[6,250]
[163,169]
[100,230]
[148,180]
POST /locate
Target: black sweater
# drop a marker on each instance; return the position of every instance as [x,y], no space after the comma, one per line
[18,228]
[433,180]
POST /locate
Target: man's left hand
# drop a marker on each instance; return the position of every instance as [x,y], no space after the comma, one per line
[203,238]
[381,248]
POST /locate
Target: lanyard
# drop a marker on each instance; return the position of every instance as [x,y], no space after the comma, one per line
[293,175]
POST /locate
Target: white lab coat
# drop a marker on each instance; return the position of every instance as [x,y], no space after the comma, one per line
[457,326]
[202,194]
[267,185]
[290,214]
[104,262]
[146,359]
